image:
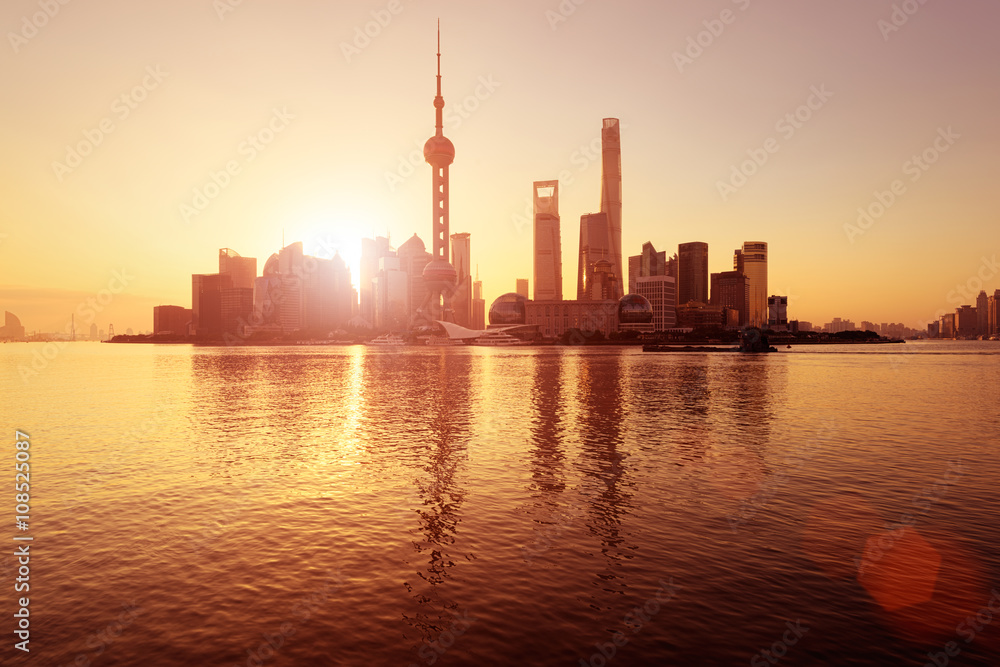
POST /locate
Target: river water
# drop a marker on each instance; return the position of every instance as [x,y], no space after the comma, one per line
[474,506]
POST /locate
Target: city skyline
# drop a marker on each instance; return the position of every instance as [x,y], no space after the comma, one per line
[820,139]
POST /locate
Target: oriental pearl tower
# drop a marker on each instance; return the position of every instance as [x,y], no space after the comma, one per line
[439,275]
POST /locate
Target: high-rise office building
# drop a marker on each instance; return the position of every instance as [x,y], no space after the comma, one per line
[521,287]
[242,270]
[965,322]
[611,194]
[595,245]
[93,327]
[478,304]
[692,270]
[660,291]
[438,274]
[993,321]
[413,261]
[298,292]
[646,264]
[731,289]
[206,303]
[777,311]
[391,289]
[461,299]
[752,260]
[947,328]
[372,251]
[982,314]
[547,243]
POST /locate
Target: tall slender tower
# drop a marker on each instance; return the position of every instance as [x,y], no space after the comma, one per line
[439,275]
[611,193]
[547,243]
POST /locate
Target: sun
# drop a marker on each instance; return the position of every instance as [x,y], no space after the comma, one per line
[325,237]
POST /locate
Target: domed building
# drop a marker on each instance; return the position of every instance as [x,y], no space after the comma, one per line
[635,313]
[508,310]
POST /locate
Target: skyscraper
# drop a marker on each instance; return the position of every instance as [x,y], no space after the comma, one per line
[659,290]
[601,233]
[521,287]
[461,299]
[595,245]
[731,289]
[439,275]
[206,303]
[243,270]
[993,317]
[752,260]
[645,265]
[692,272]
[611,194]
[478,304]
[982,314]
[547,249]
[966,322]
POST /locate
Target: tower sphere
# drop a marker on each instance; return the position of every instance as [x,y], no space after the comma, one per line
[441,271]
[439,151]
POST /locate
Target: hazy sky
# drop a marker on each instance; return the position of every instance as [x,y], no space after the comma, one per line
[183,85]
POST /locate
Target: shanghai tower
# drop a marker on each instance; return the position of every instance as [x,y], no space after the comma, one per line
[611,194]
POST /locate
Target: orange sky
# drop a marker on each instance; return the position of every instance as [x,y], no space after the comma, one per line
[166,94]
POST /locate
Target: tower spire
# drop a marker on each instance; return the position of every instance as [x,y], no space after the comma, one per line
[439,101]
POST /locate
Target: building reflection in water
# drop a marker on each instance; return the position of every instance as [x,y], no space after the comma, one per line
[447,414]
[604,465]
[547,428]
[744,409]
[693,394]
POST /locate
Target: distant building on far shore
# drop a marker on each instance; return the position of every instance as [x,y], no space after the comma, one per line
[993,305]
[777,312]
[947,329]
[11,329]
[166,320]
